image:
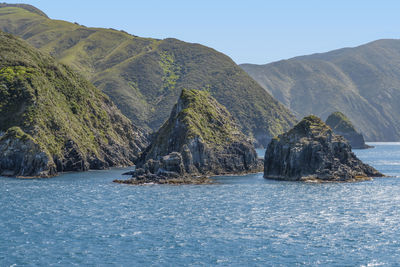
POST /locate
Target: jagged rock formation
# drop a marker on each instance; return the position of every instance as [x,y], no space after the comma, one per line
[144,76]
[341,125]
[53,120]
[199,139]
[362,82]
[312,152]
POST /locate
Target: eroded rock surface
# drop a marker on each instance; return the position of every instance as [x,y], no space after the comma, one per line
[311,151]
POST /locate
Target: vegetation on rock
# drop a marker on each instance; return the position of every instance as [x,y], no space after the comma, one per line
[339,122]
[61,115]
[341,125]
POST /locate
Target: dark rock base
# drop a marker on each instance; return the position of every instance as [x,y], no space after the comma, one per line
[166,180]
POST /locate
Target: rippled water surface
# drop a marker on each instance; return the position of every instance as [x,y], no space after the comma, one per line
[85,219]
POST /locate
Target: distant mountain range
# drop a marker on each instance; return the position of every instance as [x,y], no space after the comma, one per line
[361,82]
[144,77]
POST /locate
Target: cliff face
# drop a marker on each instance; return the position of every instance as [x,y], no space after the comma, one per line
[341,125]
[362,82]
[144,76]
[53,120]
[199,138]
[311,151]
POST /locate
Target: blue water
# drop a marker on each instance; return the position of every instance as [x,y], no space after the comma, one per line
[85,219]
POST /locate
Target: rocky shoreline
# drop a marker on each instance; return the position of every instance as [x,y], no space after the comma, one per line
[139,177]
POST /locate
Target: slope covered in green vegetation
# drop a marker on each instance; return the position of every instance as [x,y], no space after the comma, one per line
[145,76]
[362,82]
[52,119]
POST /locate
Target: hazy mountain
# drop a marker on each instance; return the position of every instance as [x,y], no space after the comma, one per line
[145,76]
[204,135]
[52,119]
[362,82]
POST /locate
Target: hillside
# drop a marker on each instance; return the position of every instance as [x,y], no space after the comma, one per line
[145,76]
[362,82]
[52,119]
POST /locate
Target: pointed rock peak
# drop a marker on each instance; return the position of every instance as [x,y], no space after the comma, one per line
[342,125]
[310,126]
[199,138]
[338,121]
[205,118]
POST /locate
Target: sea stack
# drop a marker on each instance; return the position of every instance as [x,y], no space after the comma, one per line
[311,151]
[341,125]
[199,139]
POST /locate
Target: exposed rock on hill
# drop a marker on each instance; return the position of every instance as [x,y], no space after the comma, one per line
[144,77]
[53,120]
[199,139]
[312,152]
[362,82]
[341,125]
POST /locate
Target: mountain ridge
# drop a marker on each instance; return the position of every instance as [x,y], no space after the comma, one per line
[145,76]
[362,82]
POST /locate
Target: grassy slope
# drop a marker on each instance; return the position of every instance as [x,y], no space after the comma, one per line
[362,82]
[144,77]
[53,104]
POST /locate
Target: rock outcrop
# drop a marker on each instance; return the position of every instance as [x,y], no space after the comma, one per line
[341,125]
[311,151]
[199,139]
[22,156]
[53,120]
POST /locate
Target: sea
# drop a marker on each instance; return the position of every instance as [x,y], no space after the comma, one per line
[83,219]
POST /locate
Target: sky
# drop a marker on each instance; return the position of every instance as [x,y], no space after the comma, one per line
[249,31]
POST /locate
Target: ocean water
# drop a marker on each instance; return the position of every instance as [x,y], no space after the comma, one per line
[85,219]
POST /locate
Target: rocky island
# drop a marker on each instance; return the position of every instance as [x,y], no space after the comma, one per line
[341,125]
[311,151]
[199,139]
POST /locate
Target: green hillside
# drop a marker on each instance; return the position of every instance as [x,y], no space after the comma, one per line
[145,77]
[362,82]
[52,119]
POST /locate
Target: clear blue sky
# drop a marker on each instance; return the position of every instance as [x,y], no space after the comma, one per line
[249,31]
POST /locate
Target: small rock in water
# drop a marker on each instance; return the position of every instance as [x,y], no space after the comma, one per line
[341,125]
[311,151]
